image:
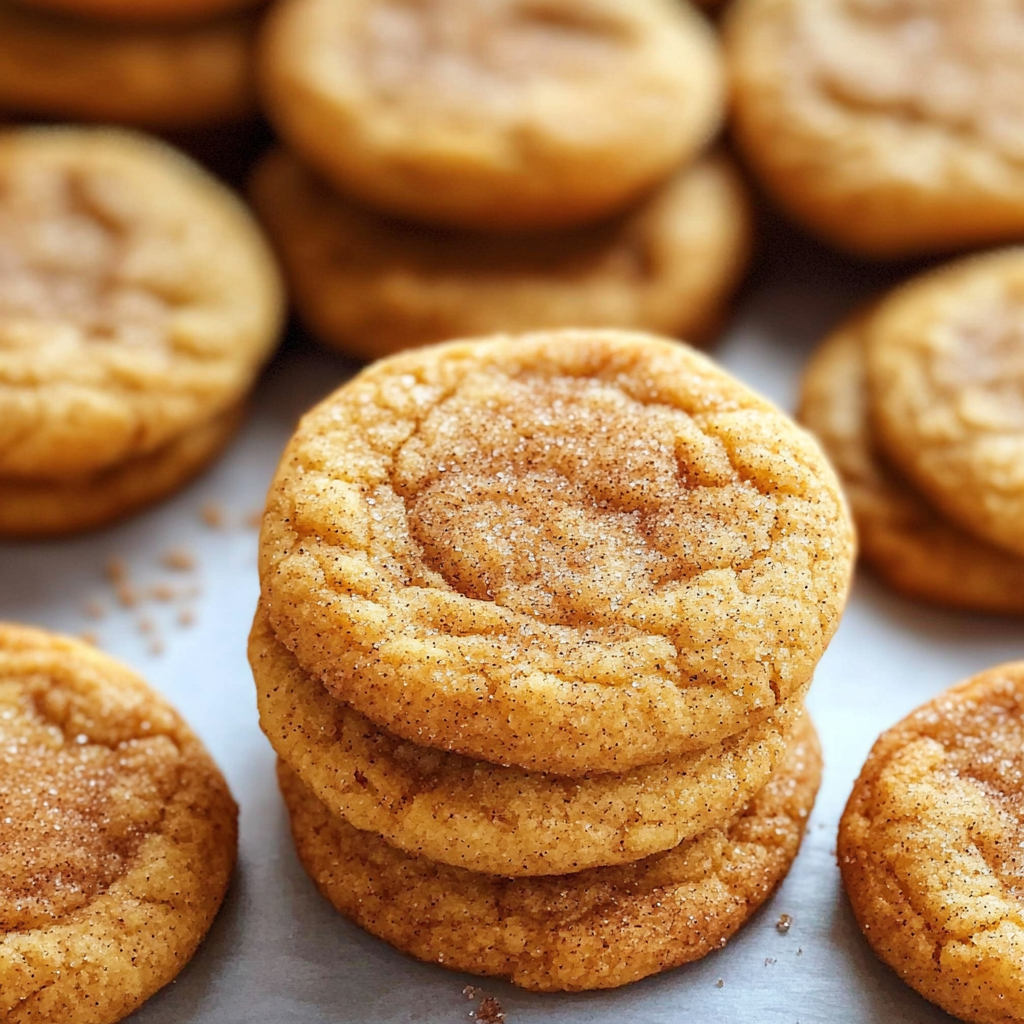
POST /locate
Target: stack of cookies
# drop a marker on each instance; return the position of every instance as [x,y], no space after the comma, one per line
[138,302]
[918,402]
[457,168]
[159,64]
[537,618]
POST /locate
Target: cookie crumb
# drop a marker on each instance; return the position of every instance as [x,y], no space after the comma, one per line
[178,559]
[117,570]
[162,592]
[156,646]
[470,992]
[720,983]
[800,952]
[186,617]
[146,624]
[94,609]
[784,923]
[489,1011]
[213,515]
[769,960]
[127,595]
[89,638]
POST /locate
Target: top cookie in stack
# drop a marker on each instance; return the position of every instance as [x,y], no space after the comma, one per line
[574,552]
[475,167]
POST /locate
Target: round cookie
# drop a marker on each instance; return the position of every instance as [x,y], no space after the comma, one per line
[371,286]
[906,540]
[119,841]
[572,551]
[489,818]
[138,300]
[53,508]
[597,929]
[946,369]
[167,78]
[929,848]
[161,12]
[888,127]
[508,115]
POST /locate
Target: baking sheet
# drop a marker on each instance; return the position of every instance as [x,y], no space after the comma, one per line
[278,953]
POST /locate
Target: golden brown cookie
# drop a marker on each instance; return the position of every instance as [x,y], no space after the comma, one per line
[904,538]
[138,301]
[572,551]
[161,12]
[370,286]
[119,837]
[930,848]
[507,115]
[485,817]
[163,78]
[946,367]
[597,929]
[52,508]
[889,127]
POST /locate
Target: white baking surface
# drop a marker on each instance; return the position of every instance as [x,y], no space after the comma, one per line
[279,953]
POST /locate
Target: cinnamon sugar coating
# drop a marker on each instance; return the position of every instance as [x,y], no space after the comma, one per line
[117,835]
[484,817]
[908,542]
[945,362]
[137,300]
[576,551]
[890,127]
[371,285]
[510,115]
[930,848]
[597,929]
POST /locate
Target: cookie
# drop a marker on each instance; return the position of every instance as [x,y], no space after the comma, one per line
[31,509]
[161,12]
[597,929]
[370,286]
[489,818]
[946,368]
[506,115]
[571,551]
[887,127]
[167,78]
[929,848]
[119,841]
[904,538]
[138,301]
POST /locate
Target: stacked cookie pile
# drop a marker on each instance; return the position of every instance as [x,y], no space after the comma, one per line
[457,168]
[159,64]
[917,402]
[537,618]
[138,302]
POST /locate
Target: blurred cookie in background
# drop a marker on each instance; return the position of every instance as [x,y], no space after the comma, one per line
[906,541]
[888,128]
[144,11]
[370,285]
[160,78]
[509,115]
[138,301]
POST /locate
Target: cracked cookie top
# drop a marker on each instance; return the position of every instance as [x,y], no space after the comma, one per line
[930,847]
[117,833]
[137,300]
[574,551]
